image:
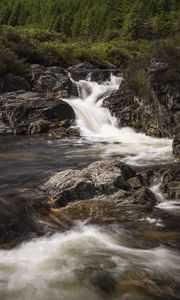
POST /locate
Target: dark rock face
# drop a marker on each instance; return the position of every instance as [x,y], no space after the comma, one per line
[35,106]
[12,82]
[33,112]
[53,80]
[83,70]
[105,180]
[157,115]
[176,146]
[122,105]
[170,185]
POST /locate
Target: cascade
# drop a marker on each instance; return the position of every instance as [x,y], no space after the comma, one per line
[97,125]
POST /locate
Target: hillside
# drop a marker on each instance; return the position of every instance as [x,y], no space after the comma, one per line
[98,19]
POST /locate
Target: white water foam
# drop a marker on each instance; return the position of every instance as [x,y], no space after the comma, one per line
[62,266]
[98,126]
[172,206]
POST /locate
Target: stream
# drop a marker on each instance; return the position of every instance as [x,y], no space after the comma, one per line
[136,260]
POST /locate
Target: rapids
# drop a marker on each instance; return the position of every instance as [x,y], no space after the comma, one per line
[98,126]
[138,260]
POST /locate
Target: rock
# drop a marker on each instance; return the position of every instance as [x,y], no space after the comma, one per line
[170,184]
[144,196]
[117,207]
[176,146]
[20,111]
[39,126]
[159,113]
[122,105]
[134,182]
[81,66]
[18,220]
[83,70]
[61,132]
[37,71]
[11,82]
[101,181]
[53,80]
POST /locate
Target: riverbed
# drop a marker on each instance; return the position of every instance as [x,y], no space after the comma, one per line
[134,259]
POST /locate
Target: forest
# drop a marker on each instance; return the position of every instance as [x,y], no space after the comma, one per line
[96,19]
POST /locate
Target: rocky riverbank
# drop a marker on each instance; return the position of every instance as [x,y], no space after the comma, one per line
[105,191]
[33,103]
[102,192]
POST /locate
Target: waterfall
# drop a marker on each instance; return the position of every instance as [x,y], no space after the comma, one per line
[97,125]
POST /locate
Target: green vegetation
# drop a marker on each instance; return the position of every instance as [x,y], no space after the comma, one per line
[126,33]
[96,19]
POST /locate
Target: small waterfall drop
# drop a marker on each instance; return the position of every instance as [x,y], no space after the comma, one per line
[98,126]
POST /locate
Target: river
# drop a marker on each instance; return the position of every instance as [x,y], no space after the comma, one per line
[138,259]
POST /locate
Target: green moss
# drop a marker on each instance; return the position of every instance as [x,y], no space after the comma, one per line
[137,124]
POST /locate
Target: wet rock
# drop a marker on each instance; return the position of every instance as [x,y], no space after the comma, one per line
[39,126]
[84,70]
[99,178]
[104,182]
[176,146]
[122,105]
[20,111]
[117,207]
[4,129]
[53,80]
[144,195]
[134,182]
[170,183]
[11,82]
[61,132]
[81,66]
[159,113]
[18,221]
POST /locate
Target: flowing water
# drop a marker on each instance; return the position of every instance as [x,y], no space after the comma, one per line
[98,125]
[133,260]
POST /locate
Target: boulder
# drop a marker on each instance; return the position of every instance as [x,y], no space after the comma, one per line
[53,80]
[101,181]
[31,112]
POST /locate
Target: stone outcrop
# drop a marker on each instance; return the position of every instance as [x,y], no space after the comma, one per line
[111,181]
[170,185]
[176,146]
[122,105]
[32,103]
[84,70]
[32,112]
[52,80]
[159,113]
